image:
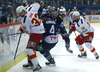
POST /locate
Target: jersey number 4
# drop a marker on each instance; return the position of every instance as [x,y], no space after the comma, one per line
[52,29]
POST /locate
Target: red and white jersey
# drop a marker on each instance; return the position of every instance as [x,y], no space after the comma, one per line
[33,7]
[83,27]
[30,23]
[27,6]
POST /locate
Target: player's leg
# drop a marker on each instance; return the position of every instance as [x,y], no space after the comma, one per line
[81,49]
[79,41]
[33,57]
[65,37]
[89,45]
[92,49]
[46,52]
[31,47]
[29,64]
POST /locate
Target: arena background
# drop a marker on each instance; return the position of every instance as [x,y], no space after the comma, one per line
[9,24]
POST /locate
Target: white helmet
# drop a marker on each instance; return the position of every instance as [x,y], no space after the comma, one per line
[76,14]
[20,9]
[62,8]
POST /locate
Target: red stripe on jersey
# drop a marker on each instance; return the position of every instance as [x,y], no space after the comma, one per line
[88,24]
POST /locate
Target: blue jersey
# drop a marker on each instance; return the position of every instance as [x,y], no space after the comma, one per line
[51,27]
[58,19]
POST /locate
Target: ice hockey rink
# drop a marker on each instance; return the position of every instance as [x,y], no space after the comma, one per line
[65,61]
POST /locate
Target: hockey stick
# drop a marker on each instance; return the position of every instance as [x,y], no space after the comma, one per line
[8,34]
[75,33]
[17,47]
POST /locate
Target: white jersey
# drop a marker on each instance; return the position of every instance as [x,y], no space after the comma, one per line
[30,23]
[33,7]
[83,27]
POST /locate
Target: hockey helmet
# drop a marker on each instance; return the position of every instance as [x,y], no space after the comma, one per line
[41,2]
[46,14]
[20,9]
[76,14]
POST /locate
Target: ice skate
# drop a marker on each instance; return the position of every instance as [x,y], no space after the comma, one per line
[83,54]
[28,65]
[52,62]
[96,56]
[37,68]
[68,49]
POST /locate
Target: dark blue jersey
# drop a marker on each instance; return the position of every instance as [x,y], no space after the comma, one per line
[51,27]
[40,12]
[58,19]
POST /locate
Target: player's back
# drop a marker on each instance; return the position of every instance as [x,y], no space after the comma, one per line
[50,26]
[32,23]
[51,31]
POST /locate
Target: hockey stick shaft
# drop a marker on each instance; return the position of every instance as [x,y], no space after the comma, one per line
[75,33]
[9,34]
[17,46]
[12,34]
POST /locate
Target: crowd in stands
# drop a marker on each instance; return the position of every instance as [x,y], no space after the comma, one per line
[7,11]
[8,14]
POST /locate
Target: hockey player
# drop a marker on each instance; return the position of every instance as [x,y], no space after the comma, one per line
[70,16]
[50,37]
[32,25]
[41,9]
[62,11]
[49,40]
[86,34]
[31,8]
[59,19]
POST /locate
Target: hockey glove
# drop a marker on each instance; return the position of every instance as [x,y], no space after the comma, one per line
[21,29]
[73,28]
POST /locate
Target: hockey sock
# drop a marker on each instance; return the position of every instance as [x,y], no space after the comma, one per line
[81,48]
[33,57]
[90,47]
[48,56]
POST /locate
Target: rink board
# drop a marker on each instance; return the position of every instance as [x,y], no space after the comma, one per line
[88,18]
[8,46]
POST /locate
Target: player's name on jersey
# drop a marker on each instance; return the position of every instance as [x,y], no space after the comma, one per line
[49,22]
